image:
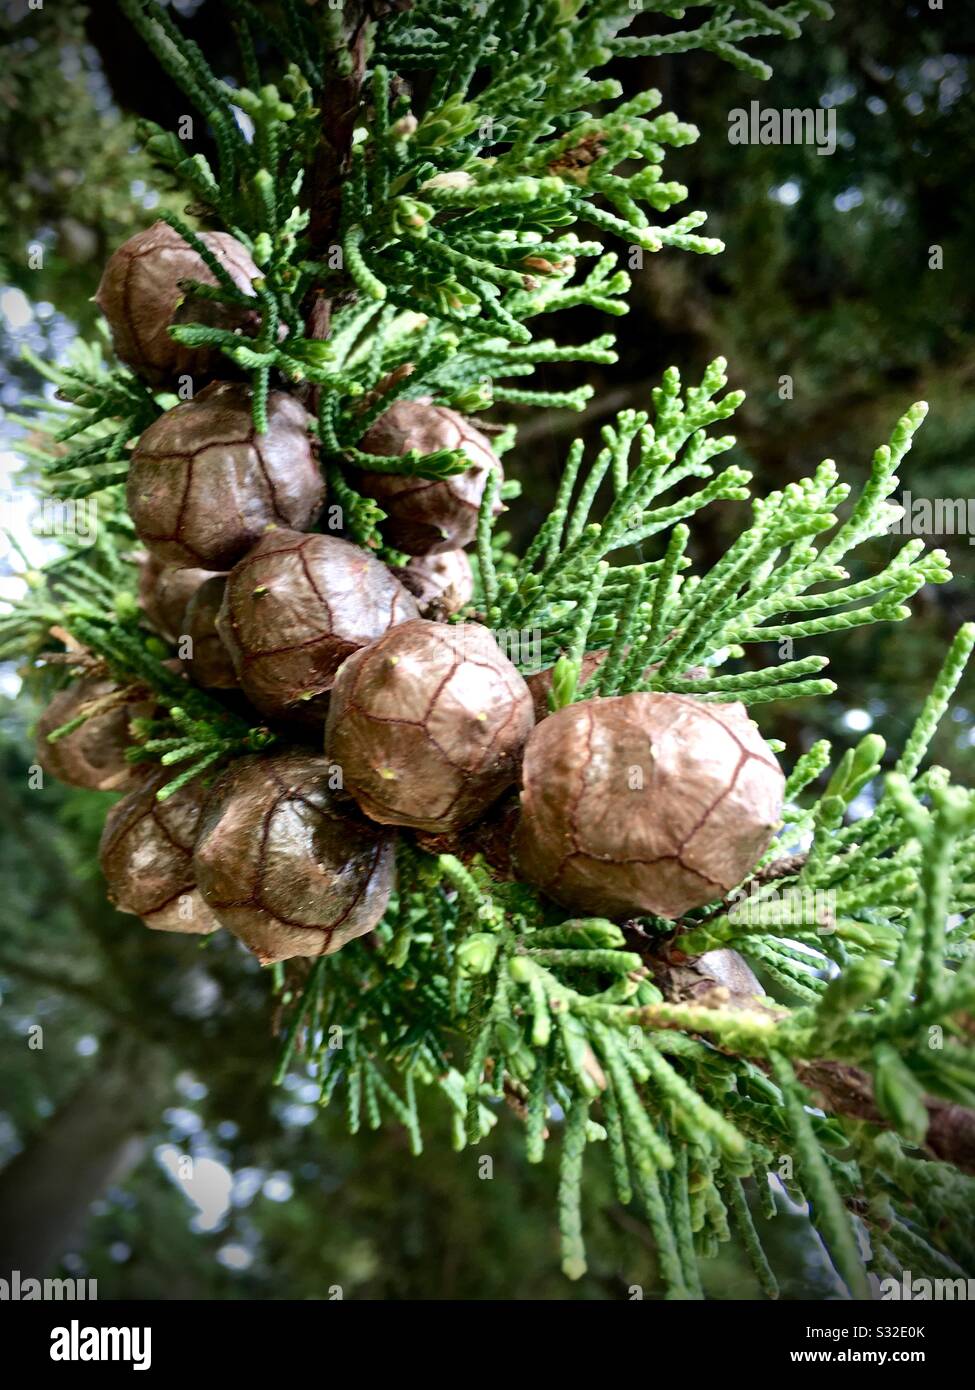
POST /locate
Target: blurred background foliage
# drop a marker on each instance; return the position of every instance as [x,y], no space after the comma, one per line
[155,1049]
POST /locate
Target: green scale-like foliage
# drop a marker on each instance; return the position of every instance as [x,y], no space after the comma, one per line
[454,226]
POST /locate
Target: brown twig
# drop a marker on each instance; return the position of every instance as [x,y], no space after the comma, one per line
[339,103]
[847,1090]
[840,1088]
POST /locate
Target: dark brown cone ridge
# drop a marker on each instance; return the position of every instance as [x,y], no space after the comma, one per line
[93,756]
[210,664]
[140,296]
[645,803]
[428,725]
[441,584]
[294,608]
[146,855]
[203,486]
[424,515]
[285,866]
[164,594]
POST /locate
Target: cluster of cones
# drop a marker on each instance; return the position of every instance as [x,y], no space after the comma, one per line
[390,718]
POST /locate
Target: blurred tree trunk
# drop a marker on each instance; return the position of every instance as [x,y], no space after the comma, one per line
[94,1139]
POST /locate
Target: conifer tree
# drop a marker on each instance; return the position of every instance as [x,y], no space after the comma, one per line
[502,826]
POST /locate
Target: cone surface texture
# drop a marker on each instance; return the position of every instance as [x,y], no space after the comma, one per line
[286,866]
[146,855]
[141,297]
[428,724]
[295,607]
[427,515]
[645,803]
[204,486]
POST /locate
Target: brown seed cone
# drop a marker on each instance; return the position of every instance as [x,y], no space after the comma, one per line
[286,867]
[203,486]
[210,664]
[146,855]
[441,584]
[140,297]
[93,756]
[164,594]
[428,725]
[294,608]
[427,516]
[645,803]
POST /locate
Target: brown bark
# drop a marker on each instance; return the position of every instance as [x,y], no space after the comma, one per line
[839,1088]
[847,1090]
[339,102]
[339,105]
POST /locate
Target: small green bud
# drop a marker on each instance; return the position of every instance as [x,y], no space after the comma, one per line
[477,396]
[399,949]
[409,217]
[509,1035]
[565,678]
[273,106]
[455,298]
[126,607]
[478,953]
[164,145]
[454,119]
[520,969]
[311,350]
[593,933]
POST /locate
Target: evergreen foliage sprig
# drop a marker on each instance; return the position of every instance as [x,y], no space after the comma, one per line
[687,1098]
[454,225]
[79,450]
[460,210]
[775,570]
[80,611]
